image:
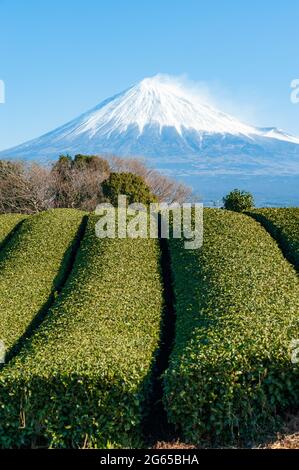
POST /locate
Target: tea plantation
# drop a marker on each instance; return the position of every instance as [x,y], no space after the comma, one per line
[84,378]
[82,321]
[32,265]
[283,225]
[8,222]
[237,305]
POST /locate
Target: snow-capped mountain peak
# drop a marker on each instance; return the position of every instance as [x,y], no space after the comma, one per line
[158,102]
[158,119]
[181,134]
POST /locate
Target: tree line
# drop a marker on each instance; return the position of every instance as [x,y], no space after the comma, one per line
[82,182]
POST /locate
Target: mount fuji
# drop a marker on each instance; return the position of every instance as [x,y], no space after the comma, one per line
[182,135]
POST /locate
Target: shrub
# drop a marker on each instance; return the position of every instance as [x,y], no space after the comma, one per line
[238,201]
[237,306]
[83,379]
[66,163]
[63,165]
[128,184]
[32,265]
[92,162]
[164,189]
[8,222]
[283,225]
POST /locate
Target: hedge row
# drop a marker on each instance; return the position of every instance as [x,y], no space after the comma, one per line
[8,222]
[283,225]
[32,265]
[83,379]
[237,306]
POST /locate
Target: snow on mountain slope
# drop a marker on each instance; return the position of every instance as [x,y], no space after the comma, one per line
[155,117]
[278,134]
[154,102]
[176,131]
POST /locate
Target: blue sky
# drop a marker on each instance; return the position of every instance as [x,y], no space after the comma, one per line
[59,58]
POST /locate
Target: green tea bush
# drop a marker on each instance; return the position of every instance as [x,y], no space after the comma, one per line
[32,265]
[238,201]
[8,223]
[283,225]
[133,186]
[237,306]
[83,379]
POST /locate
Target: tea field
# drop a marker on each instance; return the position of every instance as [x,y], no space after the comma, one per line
[82,320]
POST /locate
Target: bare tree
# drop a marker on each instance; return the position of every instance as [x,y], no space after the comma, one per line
[166,189]
[24,188]
[78,185]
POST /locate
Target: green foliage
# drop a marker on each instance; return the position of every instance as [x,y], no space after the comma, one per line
[238,201]
[128,184]
[7,224]
[63,167]
[92,162]
[32,265]
[237,305]
[283,225]
[84,377]
[66,163]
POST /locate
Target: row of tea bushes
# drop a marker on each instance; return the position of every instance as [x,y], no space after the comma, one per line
[237,306]
[32,266]
[9,222]
[83,379]
[283,225]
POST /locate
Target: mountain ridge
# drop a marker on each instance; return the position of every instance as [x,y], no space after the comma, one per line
[179,134]
[150,108]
